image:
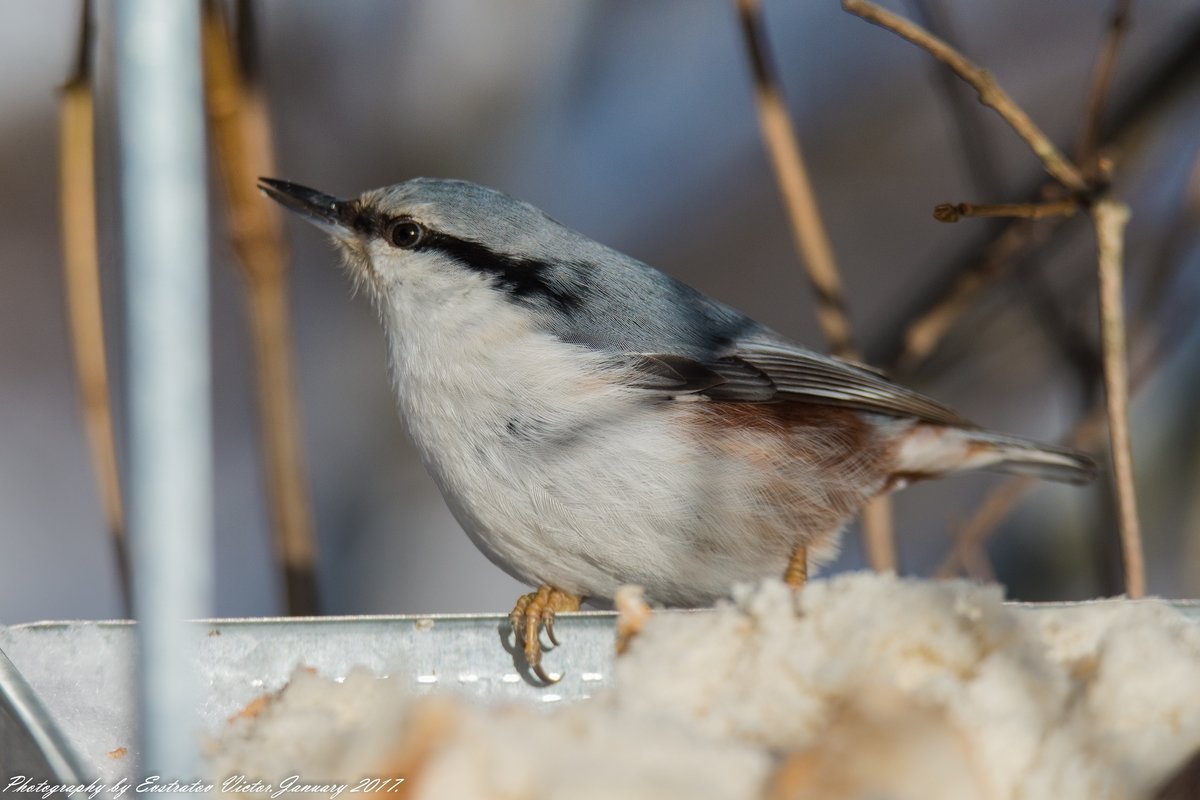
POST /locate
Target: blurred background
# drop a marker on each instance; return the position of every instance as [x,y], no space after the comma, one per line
[634,123]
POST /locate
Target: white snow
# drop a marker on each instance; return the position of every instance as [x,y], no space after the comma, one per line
[862,686]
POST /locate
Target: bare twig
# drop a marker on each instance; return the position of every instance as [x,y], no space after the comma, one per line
[953,212]
[982,263]
[81,274]
[1109,218]
[1087,153]
[990,93]
[242,138]
[811,240]
[980,157]
[975,145]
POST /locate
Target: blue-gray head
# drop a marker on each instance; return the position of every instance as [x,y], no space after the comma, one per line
[443,243]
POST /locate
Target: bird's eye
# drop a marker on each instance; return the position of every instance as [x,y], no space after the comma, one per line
[406,234]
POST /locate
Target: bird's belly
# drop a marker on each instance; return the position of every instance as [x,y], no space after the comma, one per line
[636,501]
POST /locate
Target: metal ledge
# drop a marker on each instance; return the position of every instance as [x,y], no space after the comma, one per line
[67,710]
[82,671]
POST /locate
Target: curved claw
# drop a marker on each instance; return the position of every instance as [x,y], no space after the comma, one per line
[548,624]
[543,676]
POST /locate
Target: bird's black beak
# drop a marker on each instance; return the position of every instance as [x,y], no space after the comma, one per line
[323,210]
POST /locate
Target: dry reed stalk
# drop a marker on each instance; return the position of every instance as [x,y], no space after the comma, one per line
[242,140]
[812,242]
[81,276]
[1110,218]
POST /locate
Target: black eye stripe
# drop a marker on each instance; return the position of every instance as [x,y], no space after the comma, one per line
[522,278]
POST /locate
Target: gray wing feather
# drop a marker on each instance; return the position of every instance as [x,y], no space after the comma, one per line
[764,371]
[803,373]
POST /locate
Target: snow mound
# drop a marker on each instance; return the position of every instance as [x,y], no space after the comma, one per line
[861,686]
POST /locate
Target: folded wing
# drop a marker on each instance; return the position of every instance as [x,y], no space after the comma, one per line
[760,371]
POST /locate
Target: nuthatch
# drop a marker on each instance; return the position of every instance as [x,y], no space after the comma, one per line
[593,422]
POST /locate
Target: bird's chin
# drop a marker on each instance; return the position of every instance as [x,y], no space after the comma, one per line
[358,263]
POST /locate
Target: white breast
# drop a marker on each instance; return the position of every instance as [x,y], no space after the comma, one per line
[562,475]
[504,417]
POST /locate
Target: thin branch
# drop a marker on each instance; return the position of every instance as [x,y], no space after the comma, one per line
[1087,153]
[1165,85]
[1110,218]
[990,92]
[953,212]
[979,155]
[242,138]
[81,276]
[811,241]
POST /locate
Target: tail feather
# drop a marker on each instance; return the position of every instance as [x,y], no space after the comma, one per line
[935,450]
[1024,457]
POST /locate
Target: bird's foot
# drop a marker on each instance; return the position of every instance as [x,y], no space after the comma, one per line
[533,613]
[797,571]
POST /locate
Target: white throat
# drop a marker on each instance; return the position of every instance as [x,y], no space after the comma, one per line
[475,377]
